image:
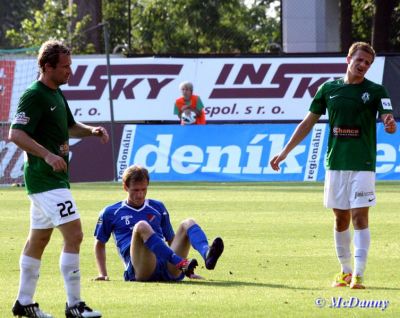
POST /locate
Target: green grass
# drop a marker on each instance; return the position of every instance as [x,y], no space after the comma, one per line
[279,255]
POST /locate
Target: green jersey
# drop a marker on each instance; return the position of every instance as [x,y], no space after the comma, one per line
[352,111]
[44,114]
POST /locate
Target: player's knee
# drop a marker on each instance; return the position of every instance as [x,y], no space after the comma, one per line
[74,239]
[360,223]
[187,223]
[142,227]
[37,243]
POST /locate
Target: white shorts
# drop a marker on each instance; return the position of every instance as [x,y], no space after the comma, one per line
[346,190]
[52,208]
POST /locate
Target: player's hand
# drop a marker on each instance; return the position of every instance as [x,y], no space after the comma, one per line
[275,161]
[56,162]
[102,278]
[195,276]
[102,133]
[390,124]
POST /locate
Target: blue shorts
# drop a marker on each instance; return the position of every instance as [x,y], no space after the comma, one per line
[160,274]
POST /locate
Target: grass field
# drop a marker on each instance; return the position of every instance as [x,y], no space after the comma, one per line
[279,258]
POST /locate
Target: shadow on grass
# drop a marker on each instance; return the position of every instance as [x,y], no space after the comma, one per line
[235,284]
[381,288]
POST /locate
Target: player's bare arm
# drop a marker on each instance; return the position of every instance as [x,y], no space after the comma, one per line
[81,130]
[390,123]
[26,143]
[301,131]
[100,253]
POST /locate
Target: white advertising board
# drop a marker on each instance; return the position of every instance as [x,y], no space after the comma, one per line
[232,89]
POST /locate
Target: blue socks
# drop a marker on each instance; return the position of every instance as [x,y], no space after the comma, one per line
[198,239]
[161,249]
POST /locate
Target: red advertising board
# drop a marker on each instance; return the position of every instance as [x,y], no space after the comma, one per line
[6,82]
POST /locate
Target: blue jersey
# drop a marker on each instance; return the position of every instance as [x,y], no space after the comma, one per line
[120,218]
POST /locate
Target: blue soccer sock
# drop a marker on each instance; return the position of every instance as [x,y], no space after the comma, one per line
[198,239]
[161,249]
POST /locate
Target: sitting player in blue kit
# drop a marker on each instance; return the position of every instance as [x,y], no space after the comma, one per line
[145,238]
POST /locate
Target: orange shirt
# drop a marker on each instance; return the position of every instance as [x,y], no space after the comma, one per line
[180,102]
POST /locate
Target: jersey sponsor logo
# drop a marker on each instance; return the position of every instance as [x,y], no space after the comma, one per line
[53,108]
[346,132]
[361,194]
[100,221]
[386,103]
[126,219]
[21,119]
[333,96]
[365,97]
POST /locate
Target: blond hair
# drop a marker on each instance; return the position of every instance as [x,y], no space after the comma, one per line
[363,46]
[135,173]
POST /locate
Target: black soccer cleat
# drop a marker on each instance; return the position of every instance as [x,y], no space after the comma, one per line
[215,251]
[187,266]
[30,311]
[81,310]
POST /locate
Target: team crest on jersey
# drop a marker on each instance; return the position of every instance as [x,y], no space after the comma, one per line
[21,118]
[126,219]
[63,149]
[386,103]
[150,217]
[365,97]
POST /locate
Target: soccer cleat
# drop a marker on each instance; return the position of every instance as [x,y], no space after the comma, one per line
[342,280]
[215,251]
[81,310]
[357,282]
[31,311]
[187,266]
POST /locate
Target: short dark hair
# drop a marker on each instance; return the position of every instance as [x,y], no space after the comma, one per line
[50,52]
[135,173]
[363,46]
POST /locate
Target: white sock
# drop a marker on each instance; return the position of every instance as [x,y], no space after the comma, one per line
[29,276]
[362,239]
[343,252]
[69,266]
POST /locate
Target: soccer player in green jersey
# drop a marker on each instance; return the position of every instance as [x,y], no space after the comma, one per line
[42,127]
[353,103]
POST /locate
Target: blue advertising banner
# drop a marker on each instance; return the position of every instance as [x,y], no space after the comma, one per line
[237,152]
[388,154]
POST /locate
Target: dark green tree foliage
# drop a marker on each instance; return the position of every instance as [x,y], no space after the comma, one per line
[207,26]
[363,12]
[12,12]
[158,26]
[376,22]
[116,14]
[394,36]
[52,21]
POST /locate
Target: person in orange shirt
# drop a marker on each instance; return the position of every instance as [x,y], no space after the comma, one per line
[188,101]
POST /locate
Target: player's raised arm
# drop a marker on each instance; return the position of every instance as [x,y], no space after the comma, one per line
[301,131]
